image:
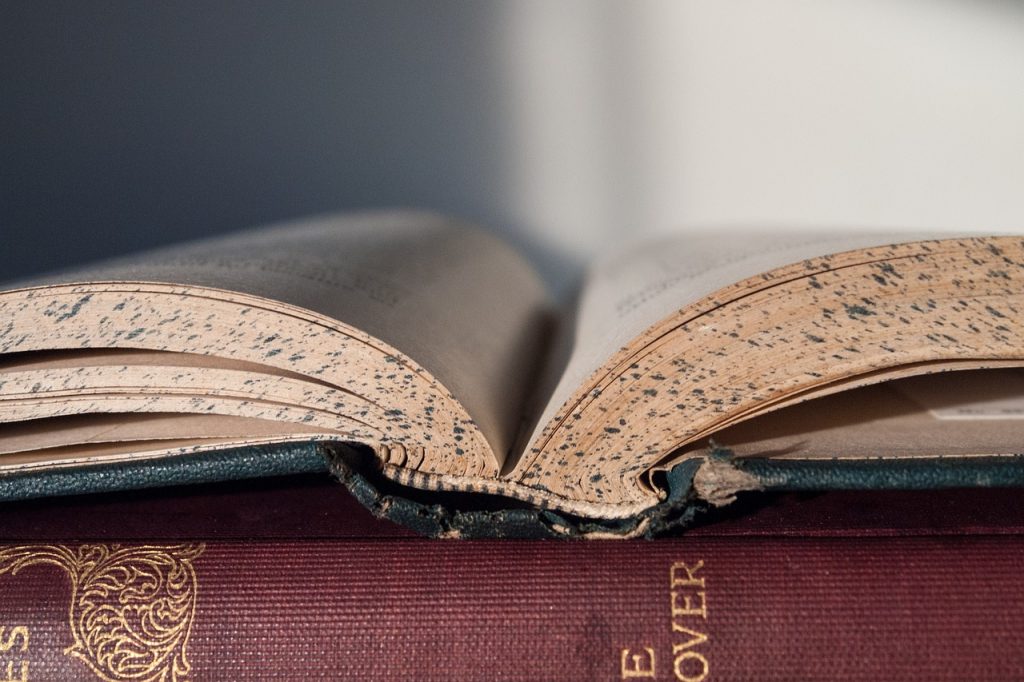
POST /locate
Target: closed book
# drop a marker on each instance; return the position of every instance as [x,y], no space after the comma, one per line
[292,579]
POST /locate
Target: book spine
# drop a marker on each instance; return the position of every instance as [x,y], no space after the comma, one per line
[692,609]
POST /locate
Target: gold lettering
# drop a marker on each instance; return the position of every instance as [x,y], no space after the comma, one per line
[688,609]
[688,665]
[690,579]
[633,665]
[687,599]
[696,638]
[684,668]
[17,631]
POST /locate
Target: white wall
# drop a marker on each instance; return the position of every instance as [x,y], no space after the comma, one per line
[663,116]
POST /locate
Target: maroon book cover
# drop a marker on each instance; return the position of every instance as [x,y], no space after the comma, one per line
[291,579]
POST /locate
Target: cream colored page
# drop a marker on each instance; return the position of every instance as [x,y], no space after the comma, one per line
[949,414]
[626,293]
[459,302]
[40,434]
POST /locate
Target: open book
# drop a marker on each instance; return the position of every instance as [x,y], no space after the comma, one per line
[420,359]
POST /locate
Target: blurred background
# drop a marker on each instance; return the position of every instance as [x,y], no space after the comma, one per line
[563,125]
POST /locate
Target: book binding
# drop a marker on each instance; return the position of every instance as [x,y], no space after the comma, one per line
[466,515]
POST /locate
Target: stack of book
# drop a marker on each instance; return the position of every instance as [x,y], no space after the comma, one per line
[631,488]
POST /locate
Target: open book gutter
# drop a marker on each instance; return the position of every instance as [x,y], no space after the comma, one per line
[400,350]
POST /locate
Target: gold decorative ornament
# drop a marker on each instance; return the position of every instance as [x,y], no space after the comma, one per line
[132,608]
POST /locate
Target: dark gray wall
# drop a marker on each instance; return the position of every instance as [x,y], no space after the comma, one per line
[127,124]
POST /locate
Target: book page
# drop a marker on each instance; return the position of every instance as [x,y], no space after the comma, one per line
[458,301]
[626,293]
[902,418]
